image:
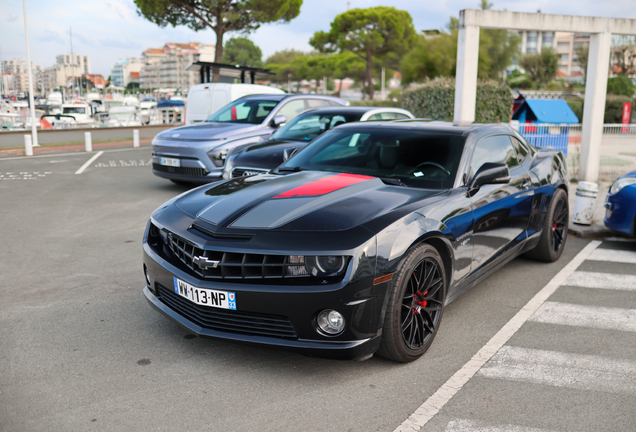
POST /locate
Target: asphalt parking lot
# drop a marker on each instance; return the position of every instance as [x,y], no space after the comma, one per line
[80,349]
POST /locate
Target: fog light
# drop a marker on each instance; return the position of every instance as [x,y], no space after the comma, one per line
[330,322]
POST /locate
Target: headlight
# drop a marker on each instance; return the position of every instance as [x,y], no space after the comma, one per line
[218,156]
[621,183]
[318,266]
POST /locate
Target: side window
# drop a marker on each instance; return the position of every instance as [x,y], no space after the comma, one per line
[496,148]
[401,116]
[317,103]
[375,117]
[292,108]
[522,151]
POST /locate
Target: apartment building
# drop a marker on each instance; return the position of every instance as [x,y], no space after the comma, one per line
[16,75]
[120,74]
[83,62]
[565,44]
[165,67]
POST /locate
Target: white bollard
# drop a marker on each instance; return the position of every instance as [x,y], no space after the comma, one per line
[586,194]
[28,148]
[88,142]
[136,138]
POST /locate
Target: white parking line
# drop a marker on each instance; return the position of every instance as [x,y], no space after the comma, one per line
[577,371]
[471,426]
[619,256]
[602,281]
[586,316]
[435,403]
[88,162]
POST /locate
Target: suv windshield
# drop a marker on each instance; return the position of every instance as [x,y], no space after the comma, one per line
[416,158]
[251,111]
[308,126]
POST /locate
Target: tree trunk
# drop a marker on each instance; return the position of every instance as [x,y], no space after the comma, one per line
[218,55]
[369,78]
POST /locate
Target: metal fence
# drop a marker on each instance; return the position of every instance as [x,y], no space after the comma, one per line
[618,146]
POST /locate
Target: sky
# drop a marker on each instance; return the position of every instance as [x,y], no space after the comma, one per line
[108,30]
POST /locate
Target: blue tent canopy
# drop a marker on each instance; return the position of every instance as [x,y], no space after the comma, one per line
[170,103]
[555,111]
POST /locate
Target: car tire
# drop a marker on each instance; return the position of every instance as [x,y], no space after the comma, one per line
[416,302]
[555,230]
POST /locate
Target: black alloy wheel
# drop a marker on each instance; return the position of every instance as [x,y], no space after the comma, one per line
[416,303]
[559,225]
[555,229]
[422,304]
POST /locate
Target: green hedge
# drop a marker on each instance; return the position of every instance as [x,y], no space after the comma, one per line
[435,100]
[375,103]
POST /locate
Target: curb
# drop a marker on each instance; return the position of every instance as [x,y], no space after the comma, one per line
[74,147]
[594,231]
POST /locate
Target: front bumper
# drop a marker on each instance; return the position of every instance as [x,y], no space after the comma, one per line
[620,211]
[361,303]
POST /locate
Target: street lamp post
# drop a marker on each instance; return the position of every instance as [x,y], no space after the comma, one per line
[34,131]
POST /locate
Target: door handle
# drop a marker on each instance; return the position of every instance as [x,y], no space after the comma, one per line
[526,184]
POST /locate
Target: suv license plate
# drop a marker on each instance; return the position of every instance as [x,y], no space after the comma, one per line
[170,162]
[205,297]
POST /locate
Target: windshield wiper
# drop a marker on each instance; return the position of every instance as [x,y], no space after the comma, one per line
[392,181]
[290,169]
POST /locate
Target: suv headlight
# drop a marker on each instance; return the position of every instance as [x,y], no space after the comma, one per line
[218,156]
[621,183]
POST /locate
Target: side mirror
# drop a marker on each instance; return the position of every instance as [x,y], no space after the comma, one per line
[489,173]
[289,152]
[278,120]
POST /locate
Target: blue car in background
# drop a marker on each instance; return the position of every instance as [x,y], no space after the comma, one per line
[620,205]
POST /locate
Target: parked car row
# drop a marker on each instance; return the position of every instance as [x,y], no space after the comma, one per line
[357,241]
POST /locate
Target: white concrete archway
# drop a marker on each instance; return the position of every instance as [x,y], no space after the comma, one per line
[601,30]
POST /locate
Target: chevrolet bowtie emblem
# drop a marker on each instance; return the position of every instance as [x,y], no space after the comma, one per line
[204,263]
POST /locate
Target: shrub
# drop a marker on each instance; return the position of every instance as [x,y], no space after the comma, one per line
[621,85]
[435,100]
[375,103]
[613,108]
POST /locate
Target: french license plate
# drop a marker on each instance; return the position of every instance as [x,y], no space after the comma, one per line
[204,296]
[170,162]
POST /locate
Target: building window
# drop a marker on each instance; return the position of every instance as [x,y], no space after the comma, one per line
[564,57]
[532,36]
[563,46]
[548,37]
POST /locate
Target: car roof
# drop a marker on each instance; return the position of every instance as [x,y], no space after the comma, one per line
[280,97]
[433,126]
[346,110]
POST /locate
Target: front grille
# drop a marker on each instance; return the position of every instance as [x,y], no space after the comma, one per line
[195,172]
[231,265]
[242,172]
[227,320]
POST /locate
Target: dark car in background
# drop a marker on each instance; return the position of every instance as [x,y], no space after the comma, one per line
[196,153]
[620,205]
[296,134]
[357,243]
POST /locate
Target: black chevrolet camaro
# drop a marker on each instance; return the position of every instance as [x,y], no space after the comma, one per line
[357,243]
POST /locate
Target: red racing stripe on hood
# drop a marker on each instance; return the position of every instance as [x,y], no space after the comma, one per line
[324,185]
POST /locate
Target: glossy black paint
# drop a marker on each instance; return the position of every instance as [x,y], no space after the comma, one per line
[371,222]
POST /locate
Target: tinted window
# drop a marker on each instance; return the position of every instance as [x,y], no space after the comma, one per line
[292,108]
[252,111]
[496,148]
[306,127]
[417,158]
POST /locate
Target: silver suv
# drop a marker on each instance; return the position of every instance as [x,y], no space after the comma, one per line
[197,153]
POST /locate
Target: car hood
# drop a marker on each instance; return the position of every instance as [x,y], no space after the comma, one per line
[303,201]
[205,131]
[267,154]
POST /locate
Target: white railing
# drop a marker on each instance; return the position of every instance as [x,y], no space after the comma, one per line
[618,146]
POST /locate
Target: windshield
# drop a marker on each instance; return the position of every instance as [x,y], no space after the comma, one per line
[416,158]
[308,126]
[251,111]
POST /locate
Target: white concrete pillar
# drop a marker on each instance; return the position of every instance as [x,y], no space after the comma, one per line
[466,77]
[28,145]
[593,113]
[135,137]
[524,41]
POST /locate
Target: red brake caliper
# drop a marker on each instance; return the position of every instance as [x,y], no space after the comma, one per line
[421,303]
[554,225]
